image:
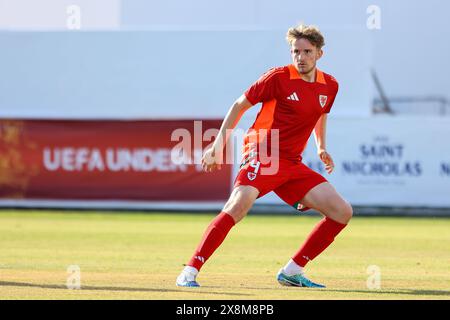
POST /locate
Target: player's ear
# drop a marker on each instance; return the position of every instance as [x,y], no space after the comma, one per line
[319,54]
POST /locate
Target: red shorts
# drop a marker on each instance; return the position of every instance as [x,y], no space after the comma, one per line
[291,182]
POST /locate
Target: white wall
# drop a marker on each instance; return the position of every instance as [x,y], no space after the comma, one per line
[155,74]
[409,51]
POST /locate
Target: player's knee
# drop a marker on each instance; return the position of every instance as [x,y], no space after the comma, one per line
[341,211]
[239,203]
[237,209]
[346,211]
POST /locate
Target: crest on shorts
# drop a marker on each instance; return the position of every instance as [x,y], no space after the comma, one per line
[251,176]
[323,100]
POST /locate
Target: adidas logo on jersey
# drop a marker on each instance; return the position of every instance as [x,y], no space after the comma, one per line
[293,97]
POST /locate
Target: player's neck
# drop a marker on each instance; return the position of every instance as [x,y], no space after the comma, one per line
[310,76]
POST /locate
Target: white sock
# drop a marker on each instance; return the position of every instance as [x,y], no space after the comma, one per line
[190,272]
[292,268]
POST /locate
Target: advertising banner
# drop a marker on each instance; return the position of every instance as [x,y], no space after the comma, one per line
[386,161]
[107,160]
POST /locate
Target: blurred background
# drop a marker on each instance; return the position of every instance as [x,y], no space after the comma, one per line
[92,91]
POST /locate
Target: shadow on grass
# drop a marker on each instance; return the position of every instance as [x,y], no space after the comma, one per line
[414,292]
[99,288]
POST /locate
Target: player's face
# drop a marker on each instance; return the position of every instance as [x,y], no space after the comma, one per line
[305,55]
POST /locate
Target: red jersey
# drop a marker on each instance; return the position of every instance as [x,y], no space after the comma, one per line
[291,105]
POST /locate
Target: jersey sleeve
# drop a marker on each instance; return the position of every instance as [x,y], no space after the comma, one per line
[334,90]
[264,89]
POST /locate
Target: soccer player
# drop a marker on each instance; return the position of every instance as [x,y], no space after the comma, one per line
[295,102]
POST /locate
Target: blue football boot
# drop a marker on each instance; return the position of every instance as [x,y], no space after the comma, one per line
[296,280]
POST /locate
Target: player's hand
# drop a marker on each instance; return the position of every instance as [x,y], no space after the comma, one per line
[327,160]
[211,160]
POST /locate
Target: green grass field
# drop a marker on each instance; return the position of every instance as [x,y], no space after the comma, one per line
[138,256]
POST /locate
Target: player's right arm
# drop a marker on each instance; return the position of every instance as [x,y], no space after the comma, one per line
[213,156]
[262,90]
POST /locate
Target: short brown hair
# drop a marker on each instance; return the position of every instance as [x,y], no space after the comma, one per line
[310,33]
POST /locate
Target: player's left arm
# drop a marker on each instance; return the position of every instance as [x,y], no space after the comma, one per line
[320,131]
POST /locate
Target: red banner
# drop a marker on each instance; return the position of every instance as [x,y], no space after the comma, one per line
[107,160]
